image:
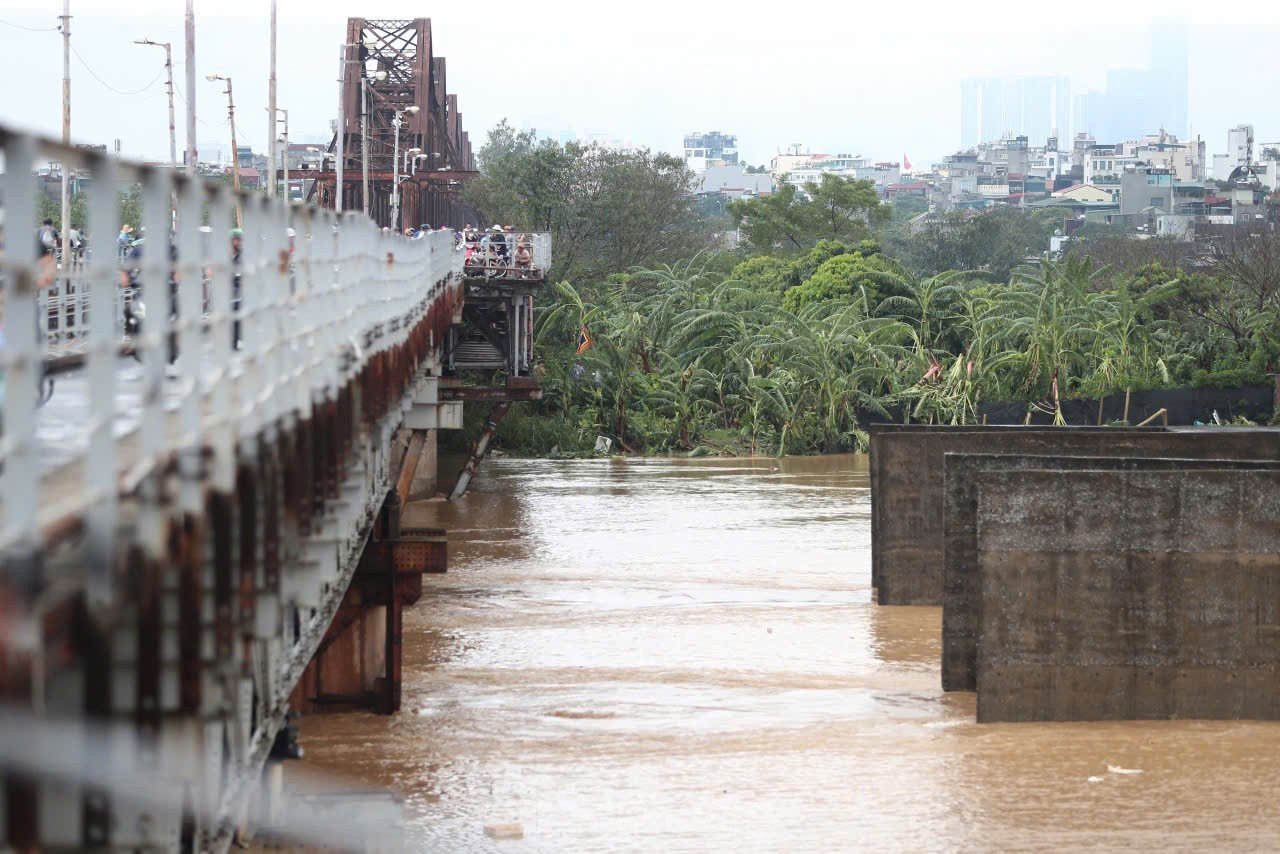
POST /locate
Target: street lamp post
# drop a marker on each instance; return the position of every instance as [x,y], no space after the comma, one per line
[271,110]
[364,132]
[342,121]
[66,121]
[168,67]
[235,152]
[395,166]
[191,88]
[284,159]
[341,146]
[413,163]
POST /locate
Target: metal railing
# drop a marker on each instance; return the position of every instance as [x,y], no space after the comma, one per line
[64,313]
[232,463]
[509,255]
[312,314]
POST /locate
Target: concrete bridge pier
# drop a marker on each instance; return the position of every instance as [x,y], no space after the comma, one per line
[358,663]
[1087,573]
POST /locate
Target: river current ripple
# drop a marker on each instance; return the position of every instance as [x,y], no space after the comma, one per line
[682,655]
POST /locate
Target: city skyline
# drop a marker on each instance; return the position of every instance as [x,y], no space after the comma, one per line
[1133,102]
[875,99]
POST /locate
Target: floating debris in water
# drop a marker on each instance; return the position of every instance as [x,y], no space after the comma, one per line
[504,831]
[1116,769]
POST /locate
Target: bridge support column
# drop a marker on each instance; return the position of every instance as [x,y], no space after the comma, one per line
[419,469]
[358,663]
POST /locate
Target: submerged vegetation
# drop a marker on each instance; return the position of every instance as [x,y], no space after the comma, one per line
[836,309]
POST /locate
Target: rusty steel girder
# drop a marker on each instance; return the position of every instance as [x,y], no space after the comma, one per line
[401,53]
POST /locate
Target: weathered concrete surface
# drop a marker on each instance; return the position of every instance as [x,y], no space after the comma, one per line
[1129,595]
[878,453]
[907,538]
[962,589]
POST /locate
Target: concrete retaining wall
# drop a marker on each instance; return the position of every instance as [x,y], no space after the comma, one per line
[1129,595]
[908,505]
[962,589]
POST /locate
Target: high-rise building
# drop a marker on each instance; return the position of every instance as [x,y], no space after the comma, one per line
[1169,65]
[994,121]
[996,108]
[1139,101]
[970,113]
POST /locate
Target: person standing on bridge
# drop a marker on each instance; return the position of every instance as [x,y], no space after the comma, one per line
[524,254]
[237,255]
[497,248]
[124,241]
[47,239]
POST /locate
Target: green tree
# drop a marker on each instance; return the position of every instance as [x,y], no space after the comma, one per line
[1051,327]
[792,219]
[996,241]
[50,208]
[763,273]
[606,209]
[845,278]
[847,208]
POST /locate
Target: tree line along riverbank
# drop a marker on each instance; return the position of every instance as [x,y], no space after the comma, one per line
[837,309]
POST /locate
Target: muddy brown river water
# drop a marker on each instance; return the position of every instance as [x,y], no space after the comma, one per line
[682,655]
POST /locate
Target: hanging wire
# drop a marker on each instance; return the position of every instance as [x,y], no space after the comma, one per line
[31,29]
[95,76]
[183,98]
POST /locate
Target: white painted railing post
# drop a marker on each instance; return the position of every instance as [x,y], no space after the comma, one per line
[20,358]
[103,275]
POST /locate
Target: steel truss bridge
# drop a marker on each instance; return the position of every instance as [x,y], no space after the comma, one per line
[206,504]
[389,69]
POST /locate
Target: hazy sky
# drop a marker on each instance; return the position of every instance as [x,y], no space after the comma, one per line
[879,79]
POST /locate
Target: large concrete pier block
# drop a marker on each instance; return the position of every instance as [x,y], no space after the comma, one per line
[907,507]
[1129,595]
[962,588]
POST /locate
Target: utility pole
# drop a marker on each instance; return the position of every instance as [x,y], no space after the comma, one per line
[342,121]
[191,88]
[395,170]
[284,160]
[395,178]
[168,67]
[66,120]
[343,62]
[271,111]
[364,140]
[235,152]
[365,104]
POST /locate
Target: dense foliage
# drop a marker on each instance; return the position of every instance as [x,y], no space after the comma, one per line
[606,209]
[793,218]
[693,355]
[839,308]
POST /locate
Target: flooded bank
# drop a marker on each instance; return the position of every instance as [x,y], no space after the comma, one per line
[683,655]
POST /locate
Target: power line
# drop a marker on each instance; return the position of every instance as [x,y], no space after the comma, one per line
[184,100]
[94,75]
[31,29]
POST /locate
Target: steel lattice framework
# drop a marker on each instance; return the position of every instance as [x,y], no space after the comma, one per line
[414,77]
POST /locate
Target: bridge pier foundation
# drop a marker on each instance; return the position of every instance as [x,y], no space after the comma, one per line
[358,662]
[419,477]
